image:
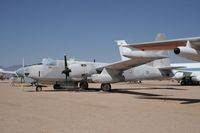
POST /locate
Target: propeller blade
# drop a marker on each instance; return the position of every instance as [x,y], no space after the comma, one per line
[65,59]
[67,70]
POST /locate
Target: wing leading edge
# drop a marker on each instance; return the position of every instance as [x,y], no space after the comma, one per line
[127,64]
[167,44]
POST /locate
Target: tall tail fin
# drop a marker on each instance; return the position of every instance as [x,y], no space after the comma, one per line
[122,49]
[165,61]
[160,37]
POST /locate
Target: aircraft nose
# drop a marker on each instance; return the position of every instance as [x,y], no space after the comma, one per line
[27,74]
[20,72]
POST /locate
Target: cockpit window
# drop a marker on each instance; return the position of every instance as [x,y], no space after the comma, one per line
[83,65]
[33,64]
[48,62]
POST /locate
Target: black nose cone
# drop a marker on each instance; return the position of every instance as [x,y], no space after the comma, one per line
[177,50]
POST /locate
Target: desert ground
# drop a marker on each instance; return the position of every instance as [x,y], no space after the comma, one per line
[149,107]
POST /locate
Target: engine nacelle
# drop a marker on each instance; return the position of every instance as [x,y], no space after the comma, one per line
[105,77]
[80,71]
[132,54]
[185,50]
[101,78]
[178,75]
[188,53]
[197,78]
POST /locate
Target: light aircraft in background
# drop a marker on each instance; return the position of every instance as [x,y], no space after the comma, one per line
[3,73]
[189,74]
[18,75]
[133,68]
[188,48]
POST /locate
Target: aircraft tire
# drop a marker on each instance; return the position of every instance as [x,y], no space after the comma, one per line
[183,83]
[106,87]
[38,88]
[83,85]
[56,86]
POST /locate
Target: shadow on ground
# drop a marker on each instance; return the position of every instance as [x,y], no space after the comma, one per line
[119,91]
[132,91]
[182,100]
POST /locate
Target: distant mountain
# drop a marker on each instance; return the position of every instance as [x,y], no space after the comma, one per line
[1,67]
[13,67]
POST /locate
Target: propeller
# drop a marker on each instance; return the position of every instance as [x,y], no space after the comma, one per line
[67,70]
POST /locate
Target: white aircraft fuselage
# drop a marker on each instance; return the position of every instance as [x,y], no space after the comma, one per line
[80,69]
[136,67]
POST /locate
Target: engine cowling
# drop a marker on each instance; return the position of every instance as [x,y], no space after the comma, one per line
[105,77]
[179,75]
[79,72]
[187,52]
[101,78]
[197,78]
[132,54]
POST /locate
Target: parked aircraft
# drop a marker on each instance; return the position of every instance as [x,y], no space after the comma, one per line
[128,69]
[7,72]
[188,48]
[82,72]
[3,73]
[18,75]
[189,75]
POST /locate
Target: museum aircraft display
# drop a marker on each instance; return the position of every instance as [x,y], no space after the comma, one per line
[73,72]
[70,73]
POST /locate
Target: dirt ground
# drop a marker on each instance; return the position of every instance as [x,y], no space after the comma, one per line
[150,107]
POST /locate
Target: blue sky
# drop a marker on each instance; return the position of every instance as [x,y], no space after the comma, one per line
[86,29]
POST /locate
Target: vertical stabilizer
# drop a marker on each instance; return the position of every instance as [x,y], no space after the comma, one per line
[122,49]
[161,62]
[160,37]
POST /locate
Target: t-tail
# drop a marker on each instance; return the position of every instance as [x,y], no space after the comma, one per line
[161,62]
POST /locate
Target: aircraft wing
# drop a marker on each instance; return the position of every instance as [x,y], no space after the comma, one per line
[171,67]
[166,44]
[127,64]
[7,72]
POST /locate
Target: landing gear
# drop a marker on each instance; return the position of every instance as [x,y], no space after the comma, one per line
[69,85]
[56,86]
[189,81]
[38,88]
[106,87]
[183,82]
[83,85]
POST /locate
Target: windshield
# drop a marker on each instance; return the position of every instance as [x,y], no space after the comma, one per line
[48,62]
